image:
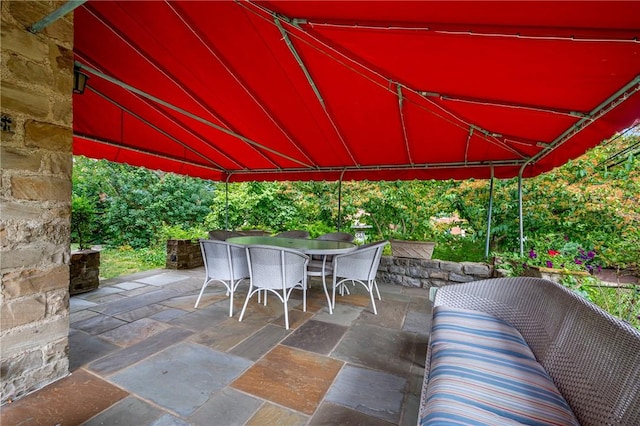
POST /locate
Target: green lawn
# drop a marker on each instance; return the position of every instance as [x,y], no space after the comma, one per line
[115,262]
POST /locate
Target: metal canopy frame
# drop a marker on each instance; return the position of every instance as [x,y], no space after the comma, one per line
[278,90]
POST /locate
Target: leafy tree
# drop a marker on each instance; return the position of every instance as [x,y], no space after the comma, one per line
[133,203]
[587,200]
[82,221]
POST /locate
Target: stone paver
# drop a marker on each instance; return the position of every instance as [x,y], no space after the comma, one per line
[128,356]
[163,279]
[129,411]
[192,372]
[174,364]
[316,336]
[227,407]
[371,392]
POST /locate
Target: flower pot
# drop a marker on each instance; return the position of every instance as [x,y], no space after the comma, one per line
[552,274]
[412,249]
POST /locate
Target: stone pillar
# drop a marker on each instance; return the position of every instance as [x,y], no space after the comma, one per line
[183,254]
[35,197]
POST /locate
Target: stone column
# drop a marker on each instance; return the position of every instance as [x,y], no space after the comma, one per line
[35,197]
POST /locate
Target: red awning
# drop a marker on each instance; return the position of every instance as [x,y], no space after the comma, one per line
[380,90]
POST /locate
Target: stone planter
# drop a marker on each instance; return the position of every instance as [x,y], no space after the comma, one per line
[84,271]
[183,254]
[412,249]
[552,274]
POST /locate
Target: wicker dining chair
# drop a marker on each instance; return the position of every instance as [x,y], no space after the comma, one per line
[293,234]
[276,270]
[224,263]
[223,235]
[332,236]
[359,266]
[337,236]
[322,265]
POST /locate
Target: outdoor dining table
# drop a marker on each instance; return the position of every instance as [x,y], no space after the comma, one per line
[305,245]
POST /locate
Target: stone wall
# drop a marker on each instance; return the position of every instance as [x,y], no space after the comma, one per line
[35,193]
[430,273]
[84,271]
[183,254]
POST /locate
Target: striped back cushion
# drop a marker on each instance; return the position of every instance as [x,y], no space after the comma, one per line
[483,373]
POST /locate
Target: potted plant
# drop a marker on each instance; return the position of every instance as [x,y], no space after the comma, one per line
[84,268]
[413,241]
[553,258]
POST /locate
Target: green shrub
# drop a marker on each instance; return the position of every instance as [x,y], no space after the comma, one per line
[82,221]
[176,232]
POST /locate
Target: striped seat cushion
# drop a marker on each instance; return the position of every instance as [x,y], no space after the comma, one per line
[483,373]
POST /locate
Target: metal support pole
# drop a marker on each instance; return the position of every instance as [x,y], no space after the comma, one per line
[55,15]
[520,211]
[486,246]
[226,203]
[340,201]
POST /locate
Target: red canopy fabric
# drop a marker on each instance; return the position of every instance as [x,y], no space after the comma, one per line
[379,90]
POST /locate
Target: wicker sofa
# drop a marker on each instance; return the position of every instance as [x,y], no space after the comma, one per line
[592,358]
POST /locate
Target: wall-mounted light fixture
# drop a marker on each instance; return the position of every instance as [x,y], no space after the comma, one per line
[79,80]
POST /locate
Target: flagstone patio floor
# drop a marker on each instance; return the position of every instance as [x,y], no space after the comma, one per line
[141,354]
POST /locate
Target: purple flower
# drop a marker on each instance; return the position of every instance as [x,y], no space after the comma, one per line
[566,238]
[549,264]
[532,254]
[591,254]
[599,268]
[578,262]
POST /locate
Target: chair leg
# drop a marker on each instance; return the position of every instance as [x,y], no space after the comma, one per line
[326,293]
[286,309]
[377,291]
[246,301]
[304,297]
[206,283]
[333,293]
[373,302]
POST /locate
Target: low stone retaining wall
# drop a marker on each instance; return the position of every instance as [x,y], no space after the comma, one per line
[430,273]
[183,254]
[408,272]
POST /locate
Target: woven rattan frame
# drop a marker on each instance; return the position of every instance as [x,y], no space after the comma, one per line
[593,358]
